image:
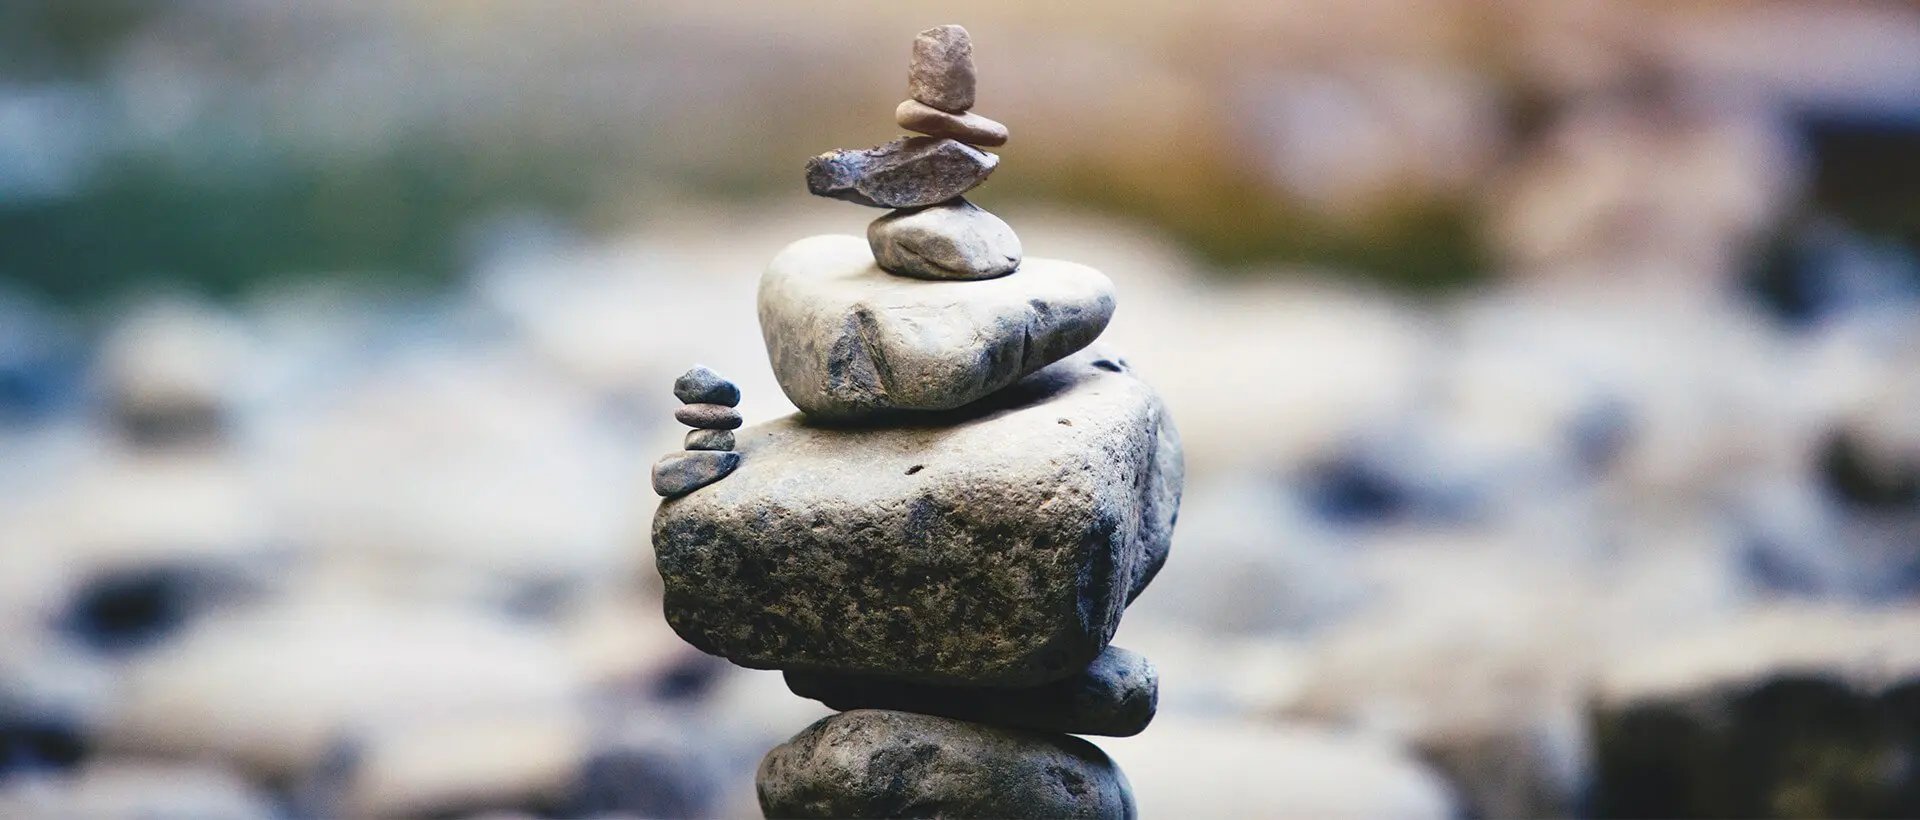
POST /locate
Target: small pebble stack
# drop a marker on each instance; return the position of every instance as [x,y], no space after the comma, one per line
[709,401]
[933,233]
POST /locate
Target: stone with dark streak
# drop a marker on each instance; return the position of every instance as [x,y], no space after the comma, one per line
[1115,696]
[951,240]
[850,341]
[870,763]
[994,546]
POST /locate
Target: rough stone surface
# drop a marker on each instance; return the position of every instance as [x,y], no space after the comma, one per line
[703,386]
[991,546]
[870,763]
[708,416]
[1115,696]
[848,340]
[677,474]
[910,172]
[952,240]
[709,440]
[941,73]
[972,129]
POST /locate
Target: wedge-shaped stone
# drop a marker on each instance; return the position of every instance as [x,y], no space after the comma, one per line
[849,340]
[994,545]
[871,763]
[1116,696]
[910,172]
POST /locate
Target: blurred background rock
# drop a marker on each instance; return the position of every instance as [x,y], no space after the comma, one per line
[1550,375]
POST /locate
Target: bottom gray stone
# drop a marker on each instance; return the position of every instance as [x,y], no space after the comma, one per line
[872,763]
[1115,696]
[677,474]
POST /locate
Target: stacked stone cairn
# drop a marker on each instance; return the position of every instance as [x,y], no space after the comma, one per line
[941,543]
[709,401]
[933,232]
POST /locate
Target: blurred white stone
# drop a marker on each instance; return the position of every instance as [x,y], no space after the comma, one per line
[273,688]
[1624,198]
[1247,560]
[471,469]
[174,369]
[137,789]
[1183,767]
[411,765]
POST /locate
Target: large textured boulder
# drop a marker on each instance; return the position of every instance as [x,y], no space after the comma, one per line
[869,763]
[849,340]
[991,546]
[1115,696]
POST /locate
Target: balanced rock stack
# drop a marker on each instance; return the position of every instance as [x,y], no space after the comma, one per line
[941,543]
[709,401]
[934,233]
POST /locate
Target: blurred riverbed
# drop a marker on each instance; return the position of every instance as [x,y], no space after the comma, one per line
[1549,376]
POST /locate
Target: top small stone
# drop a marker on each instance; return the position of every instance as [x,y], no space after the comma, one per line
[941,71]
[703,386]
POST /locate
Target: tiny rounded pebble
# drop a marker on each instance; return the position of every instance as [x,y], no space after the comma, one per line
[703,386]
[972,129]
[709,440]
[708,416]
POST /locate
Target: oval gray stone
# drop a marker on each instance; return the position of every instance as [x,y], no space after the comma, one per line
[709,440]
[677,474]
[909,172]
[1115,696]
[971,129]
[703,386]
[996,545]
[940,73]
[951,240]
[708,416]
[848,340]
[871,763]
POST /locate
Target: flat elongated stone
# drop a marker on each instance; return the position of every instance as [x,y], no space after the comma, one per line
[703,386]
[677,474]
[951,240]
[1115,696]
[940,73]
[708,416]
[849,340]
[993,546]
[909,172]
[870,763]
[971,129]
[709,440]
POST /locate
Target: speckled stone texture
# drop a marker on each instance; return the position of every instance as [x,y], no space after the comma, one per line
[1116,696]
[992,546]
[870,763]
[951,240]
[940,73]
[850,341]
[909,172]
